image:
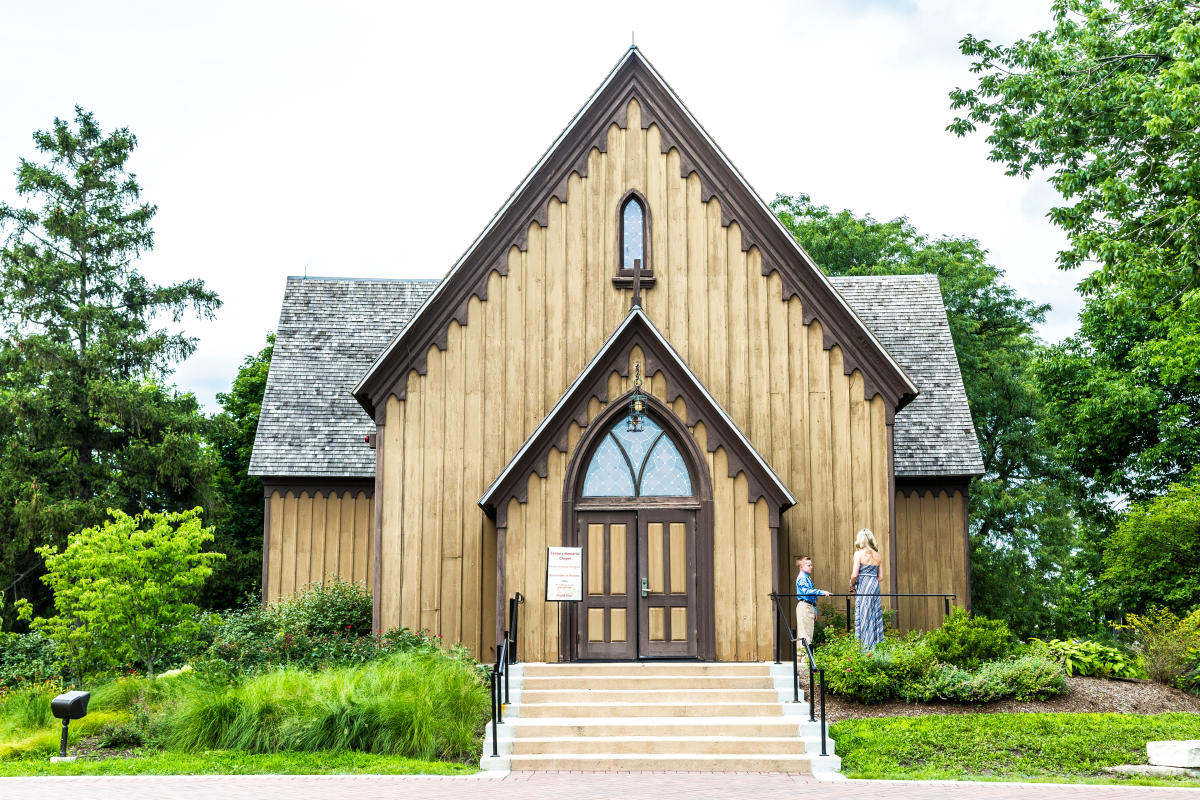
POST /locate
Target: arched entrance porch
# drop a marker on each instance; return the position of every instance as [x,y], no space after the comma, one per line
[639,505]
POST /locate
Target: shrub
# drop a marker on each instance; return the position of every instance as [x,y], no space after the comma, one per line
[330,608]
[830,622]
[123,590]
[1092,659]
[27,658]
[1035,676]
[967,641]
[1167,646]
[874,677]
[906,668]
[295,633]
[943,682]
[420,704]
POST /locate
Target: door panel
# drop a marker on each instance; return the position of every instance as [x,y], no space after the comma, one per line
[609,592]
[667,567]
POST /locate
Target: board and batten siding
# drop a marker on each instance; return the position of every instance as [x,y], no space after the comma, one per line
[932,551]
[500,374]
[315,534]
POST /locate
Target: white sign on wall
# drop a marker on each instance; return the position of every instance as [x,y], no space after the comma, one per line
[564,573]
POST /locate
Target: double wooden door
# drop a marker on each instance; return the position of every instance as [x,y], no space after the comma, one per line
[640,585]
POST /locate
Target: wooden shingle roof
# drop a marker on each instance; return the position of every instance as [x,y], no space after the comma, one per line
[934,434]
[331,330]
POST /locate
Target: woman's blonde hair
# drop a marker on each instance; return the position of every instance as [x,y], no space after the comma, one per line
[865,538]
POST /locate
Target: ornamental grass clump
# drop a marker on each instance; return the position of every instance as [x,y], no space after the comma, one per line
[418,704]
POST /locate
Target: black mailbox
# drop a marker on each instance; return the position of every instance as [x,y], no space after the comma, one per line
[70,705]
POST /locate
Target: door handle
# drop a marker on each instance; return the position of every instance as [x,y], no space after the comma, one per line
[645,586]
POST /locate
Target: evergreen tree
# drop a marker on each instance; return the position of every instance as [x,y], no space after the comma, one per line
[87,418]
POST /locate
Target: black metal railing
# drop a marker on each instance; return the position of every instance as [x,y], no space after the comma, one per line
[813,670]
[506,655]
[781,614]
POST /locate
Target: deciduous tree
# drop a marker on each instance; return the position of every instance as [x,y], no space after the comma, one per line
[1106,103]
[1022,524]
[123,590]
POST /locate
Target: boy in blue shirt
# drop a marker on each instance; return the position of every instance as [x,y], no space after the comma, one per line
[806,605]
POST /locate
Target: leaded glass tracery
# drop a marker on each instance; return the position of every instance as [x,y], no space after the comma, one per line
[643,464]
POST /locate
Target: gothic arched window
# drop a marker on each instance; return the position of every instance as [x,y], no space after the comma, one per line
[642,464]
[633,243]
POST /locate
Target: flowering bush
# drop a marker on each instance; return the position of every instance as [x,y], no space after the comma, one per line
[873,677]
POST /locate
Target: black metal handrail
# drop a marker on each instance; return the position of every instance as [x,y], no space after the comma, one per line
[514,618]
[813,670]
[506,655]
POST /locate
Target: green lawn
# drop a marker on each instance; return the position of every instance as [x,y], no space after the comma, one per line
[1064,748]
[231,762]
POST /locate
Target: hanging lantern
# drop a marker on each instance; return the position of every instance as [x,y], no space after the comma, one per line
[637,402]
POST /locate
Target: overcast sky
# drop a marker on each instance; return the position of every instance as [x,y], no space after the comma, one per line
[377,140]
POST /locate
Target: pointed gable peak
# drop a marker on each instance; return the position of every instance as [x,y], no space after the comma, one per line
[662,362]
[635,83]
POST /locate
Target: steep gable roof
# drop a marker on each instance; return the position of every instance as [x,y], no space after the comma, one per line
[635,78]
[329,330]
[637,331]
[934,435]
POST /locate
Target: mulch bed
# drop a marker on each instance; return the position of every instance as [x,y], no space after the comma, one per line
[1083,695]
[90,749]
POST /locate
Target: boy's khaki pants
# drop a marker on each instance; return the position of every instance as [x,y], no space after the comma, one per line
[806,616]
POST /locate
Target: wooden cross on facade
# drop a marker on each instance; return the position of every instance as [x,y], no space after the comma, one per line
[637,284]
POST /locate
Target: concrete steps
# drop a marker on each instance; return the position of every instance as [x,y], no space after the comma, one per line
[677,716]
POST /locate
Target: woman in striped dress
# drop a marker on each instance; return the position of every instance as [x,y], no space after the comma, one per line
[864,582]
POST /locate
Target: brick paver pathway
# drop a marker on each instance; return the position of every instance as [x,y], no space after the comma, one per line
[549,786]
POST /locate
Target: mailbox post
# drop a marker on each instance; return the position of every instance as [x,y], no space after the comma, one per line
[68,706]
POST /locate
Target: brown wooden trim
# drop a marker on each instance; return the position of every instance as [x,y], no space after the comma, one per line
[266,551]
[377,535]
[634,79]
[501,583]
[702,489]
[893,557]
[933,484]
[322,486]
[593,383]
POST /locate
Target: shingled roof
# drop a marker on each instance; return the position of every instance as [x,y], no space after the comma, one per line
[934,434]
[332,329]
